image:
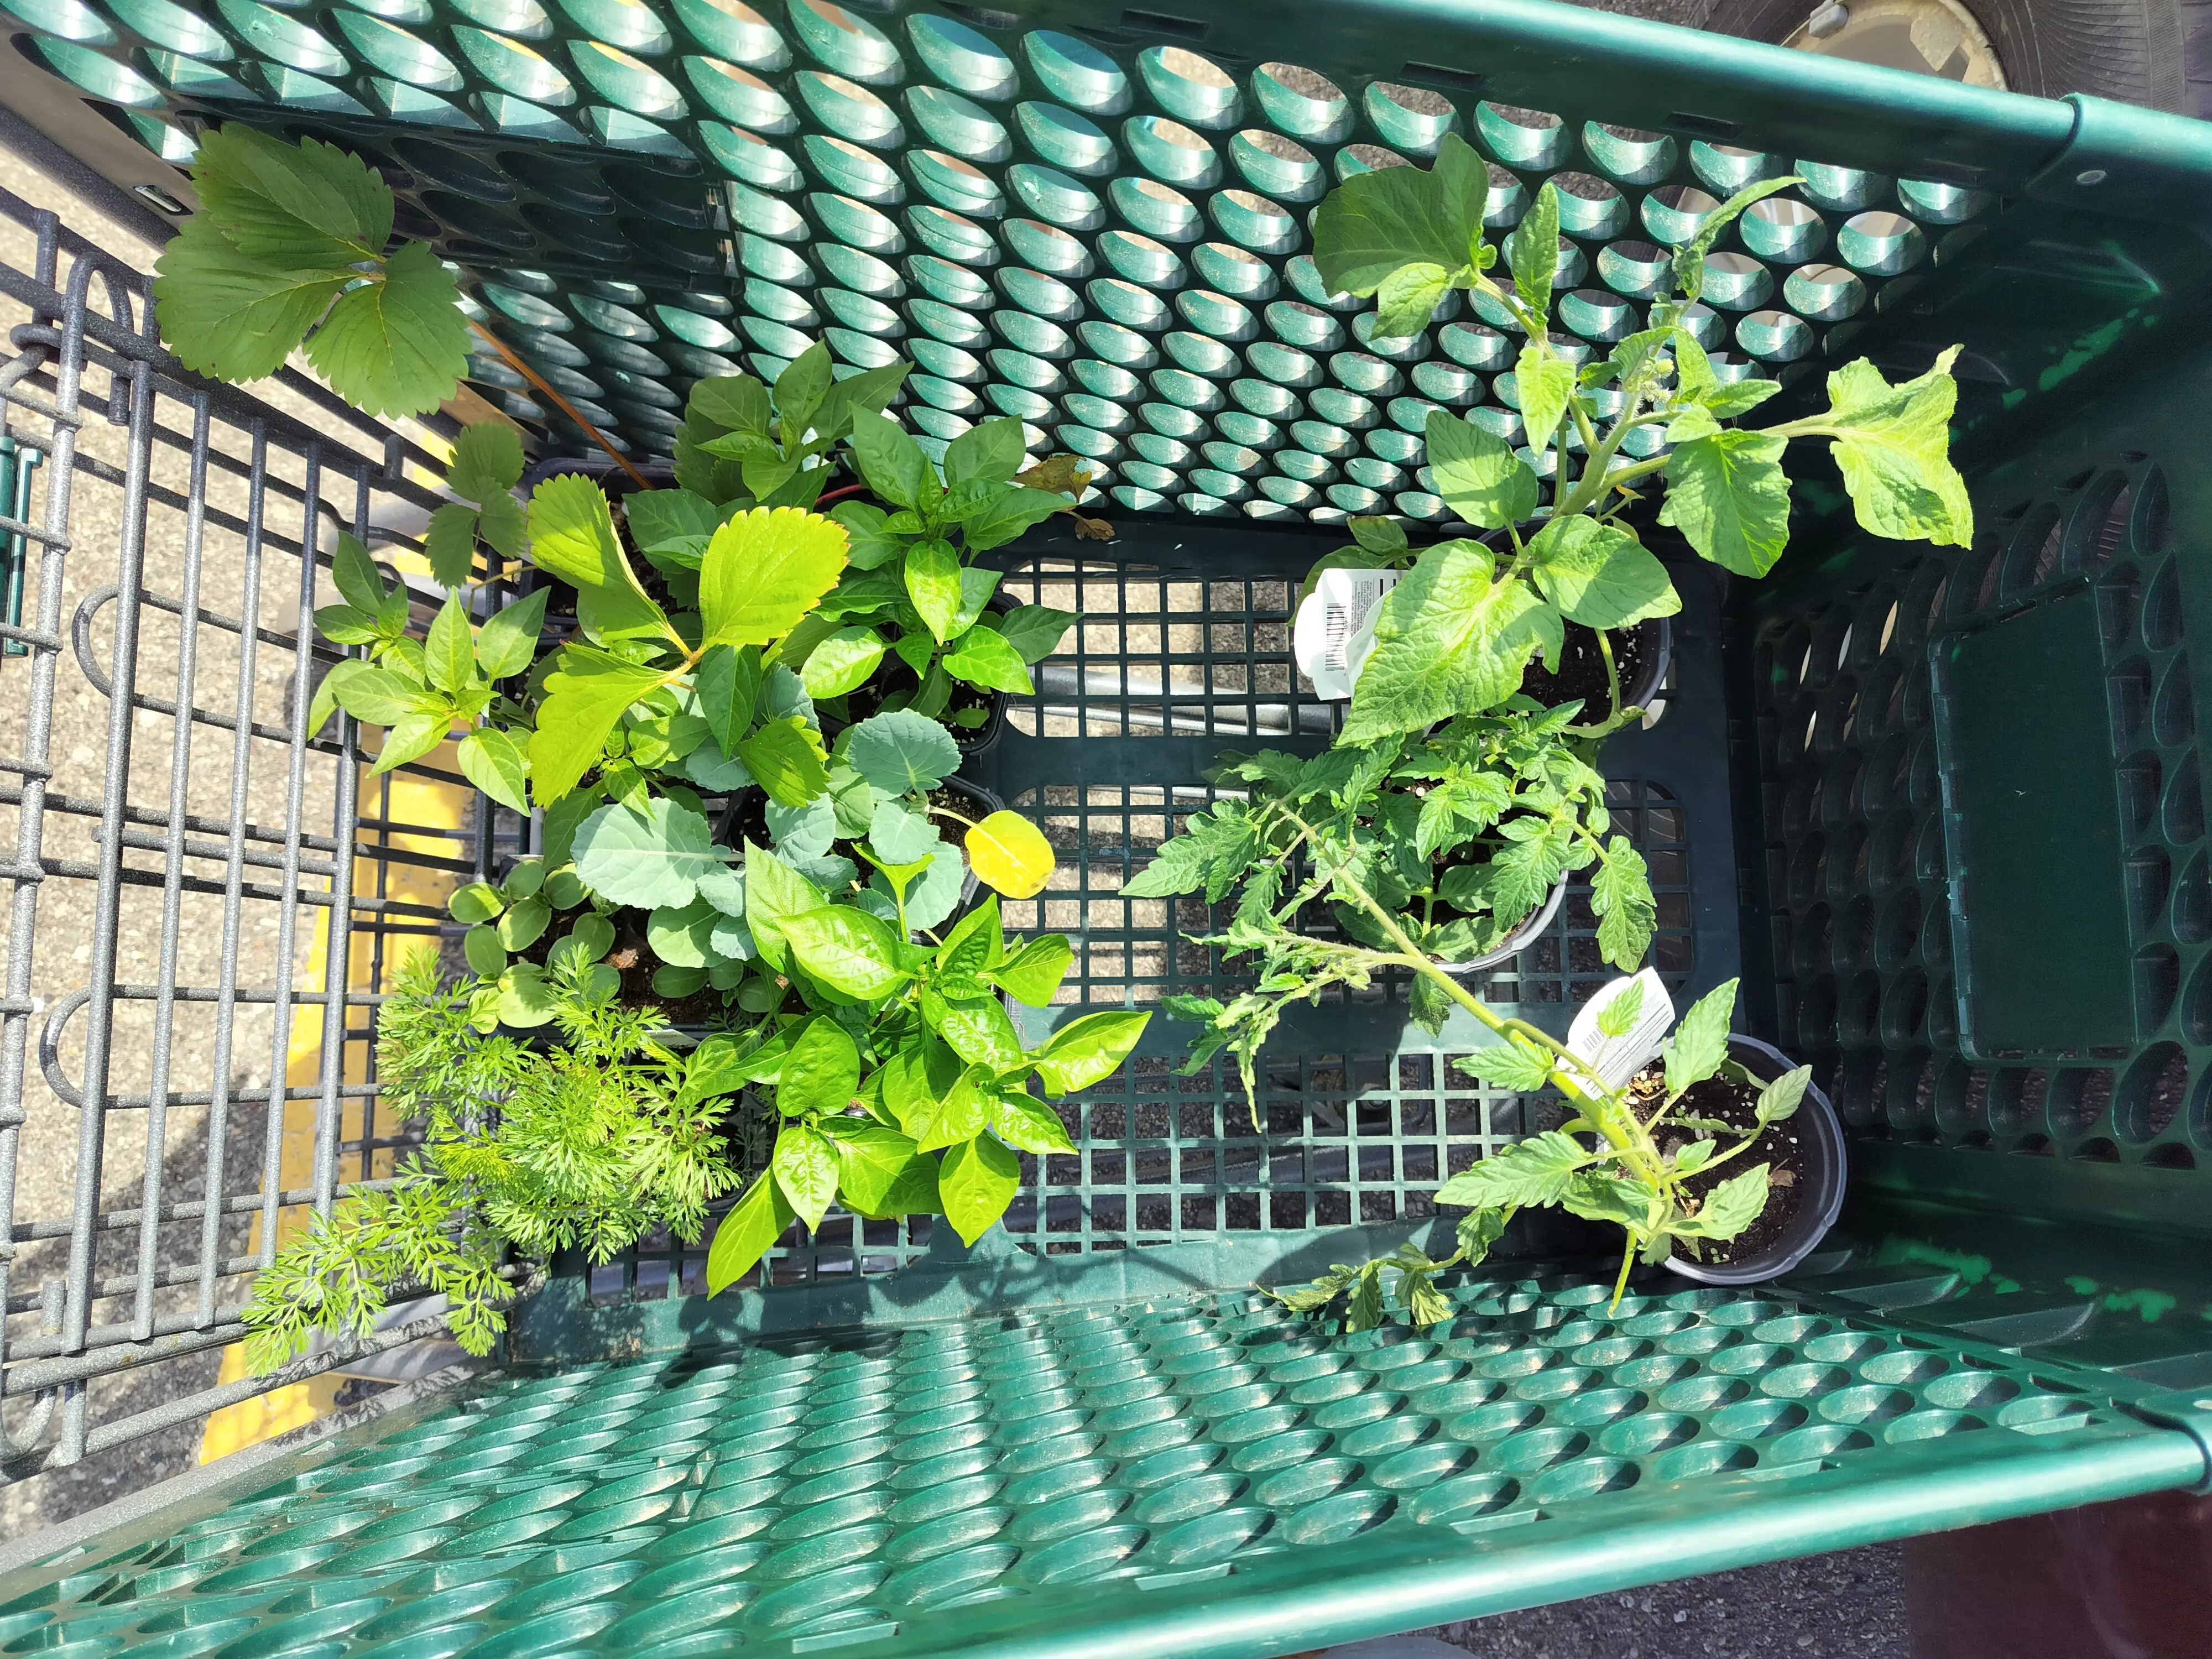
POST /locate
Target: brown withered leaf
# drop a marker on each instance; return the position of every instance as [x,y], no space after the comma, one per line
[1063,475]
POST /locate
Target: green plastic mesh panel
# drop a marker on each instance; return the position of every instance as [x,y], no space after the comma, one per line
[953,1484]
[1867,876]
[1104,237]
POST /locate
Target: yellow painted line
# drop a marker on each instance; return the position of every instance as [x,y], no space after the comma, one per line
[414,800]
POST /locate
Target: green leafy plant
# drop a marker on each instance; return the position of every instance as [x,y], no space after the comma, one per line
[1456,635]
[1625,1157]
[1429,851]
[486,467]
[744,442]
[419,689]
[912,593]
[290,245]
[662,858]
[901,1083]
[506,919]
[588,1144]
[643,692]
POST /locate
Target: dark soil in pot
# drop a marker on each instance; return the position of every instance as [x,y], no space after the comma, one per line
[894,680]
[1780,1146]
[1639,655]
[1806,1170]
[632,959]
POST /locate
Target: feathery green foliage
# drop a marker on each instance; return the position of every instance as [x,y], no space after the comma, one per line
[527,1152]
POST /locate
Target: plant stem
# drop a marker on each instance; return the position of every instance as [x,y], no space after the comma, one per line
[1612,668]
[1621,1283]
[1630,1145]
[561,403]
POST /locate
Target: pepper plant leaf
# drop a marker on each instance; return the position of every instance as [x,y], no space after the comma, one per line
[976,1180]
[1088,1050]
[746,1234]
[1010,854]
[495,763]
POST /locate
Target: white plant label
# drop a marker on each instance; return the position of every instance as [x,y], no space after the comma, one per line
[1335,633]
[1617,1059]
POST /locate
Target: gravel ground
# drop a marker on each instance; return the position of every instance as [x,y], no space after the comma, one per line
[1849,1605]
[48,1154]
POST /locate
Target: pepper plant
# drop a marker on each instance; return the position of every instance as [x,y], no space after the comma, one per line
[1605,1164]
[913,591]
[1456,634]
[901,1082]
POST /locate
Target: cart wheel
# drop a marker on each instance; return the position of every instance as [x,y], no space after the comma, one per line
[2137,51]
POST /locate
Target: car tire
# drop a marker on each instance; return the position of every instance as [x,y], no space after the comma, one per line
[2153,52]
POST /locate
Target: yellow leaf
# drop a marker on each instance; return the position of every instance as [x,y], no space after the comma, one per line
[763,570]
[1010,854]
[1063,475]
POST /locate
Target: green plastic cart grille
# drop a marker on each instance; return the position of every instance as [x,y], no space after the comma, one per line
[1095,223]
[1085,1436]
[1204,1476]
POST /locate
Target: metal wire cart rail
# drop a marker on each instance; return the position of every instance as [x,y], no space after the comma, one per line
[1880,784]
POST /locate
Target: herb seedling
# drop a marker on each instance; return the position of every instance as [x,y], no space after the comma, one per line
[589,1145]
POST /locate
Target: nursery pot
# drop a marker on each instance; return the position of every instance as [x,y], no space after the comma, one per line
[1822,1178]
[1655,639]
[1522,937]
